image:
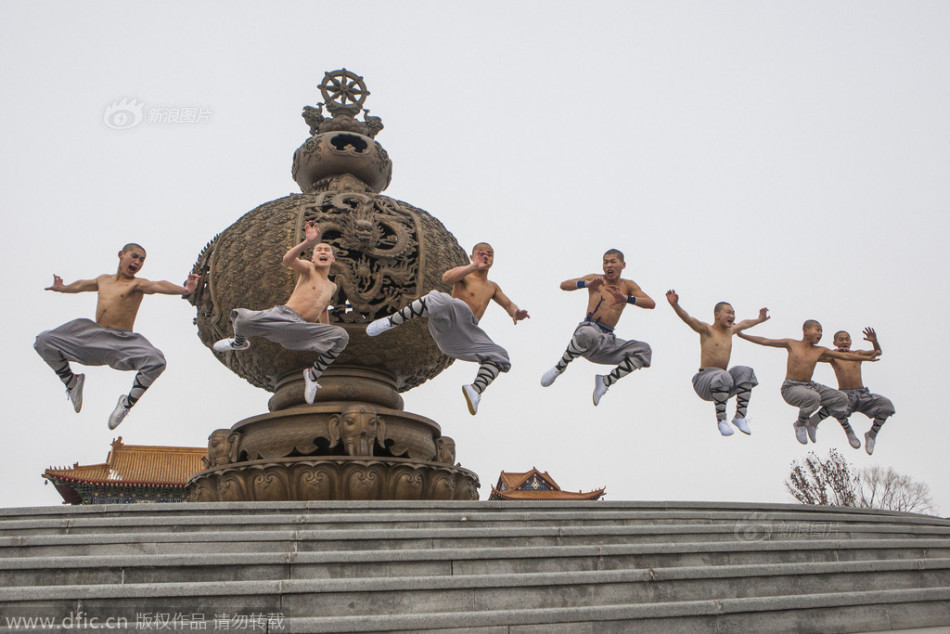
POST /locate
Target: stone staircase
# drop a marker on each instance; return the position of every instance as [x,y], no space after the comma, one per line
[477,566]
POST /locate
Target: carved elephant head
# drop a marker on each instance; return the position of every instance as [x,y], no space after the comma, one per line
[359,427]
[219,445]
[445,450]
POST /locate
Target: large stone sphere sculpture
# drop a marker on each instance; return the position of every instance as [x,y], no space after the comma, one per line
[388,253]
[354,442]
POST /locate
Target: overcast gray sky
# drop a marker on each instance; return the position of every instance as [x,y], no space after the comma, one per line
[792,155]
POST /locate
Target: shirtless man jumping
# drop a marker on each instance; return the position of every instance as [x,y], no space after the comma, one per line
[860,399]
[453,320]
[109,339]
[294,325]
[715,381]
[798,389]
[607,296]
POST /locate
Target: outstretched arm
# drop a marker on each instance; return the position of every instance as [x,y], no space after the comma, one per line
[291,259]
[510,307]
[588,281]
[762,341]
[167,288]
[857,355]
[79,286]
[692,322]
[870,335]
[748,323]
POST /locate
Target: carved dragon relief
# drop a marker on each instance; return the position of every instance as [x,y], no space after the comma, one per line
[377,253]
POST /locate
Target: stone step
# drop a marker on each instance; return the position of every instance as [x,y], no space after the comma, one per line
[907,611]
[507,511]
[882,610]
[378,539]
[484,560]
[130,522]
[495,566]
[472,593]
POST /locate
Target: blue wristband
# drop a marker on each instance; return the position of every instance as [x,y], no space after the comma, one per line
[631,299]
[581,284]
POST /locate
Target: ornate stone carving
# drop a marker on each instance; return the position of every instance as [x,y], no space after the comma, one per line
[358,427]
[445,450]
[218,449]
[341,145]
[334,478]
[355,442]
[270,483]
[309,431]
[388,253]
[231,487]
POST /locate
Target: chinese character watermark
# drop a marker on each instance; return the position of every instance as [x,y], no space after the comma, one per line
[757,527]
[128,113]
[144,621]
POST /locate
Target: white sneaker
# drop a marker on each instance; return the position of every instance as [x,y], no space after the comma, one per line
[119,413]
[742,424]
[869,443]
[800,434]
[75,392]
[812,430]
[226,345]
[724,428]
[379,326]
[548,377]
[471,398]
[600,388]
[310,387]
[853,440]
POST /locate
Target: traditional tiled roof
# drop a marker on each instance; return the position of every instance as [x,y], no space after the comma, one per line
[511,481]
[535,485]
[135,465]
[546,495]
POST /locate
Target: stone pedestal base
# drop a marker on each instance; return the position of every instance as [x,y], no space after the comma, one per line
[333,478]
[353,447]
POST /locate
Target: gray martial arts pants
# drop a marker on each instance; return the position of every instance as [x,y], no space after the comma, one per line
[86,342]
[284,326]
[871,405]
[736,379]
[605,348]
[809,396]
[455,330]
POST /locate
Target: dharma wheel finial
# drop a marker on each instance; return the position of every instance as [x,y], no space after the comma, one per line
[341,153]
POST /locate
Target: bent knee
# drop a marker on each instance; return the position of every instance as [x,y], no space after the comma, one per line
[838,407]
[586,337]
[722,383]
[154,364]
[886,408]
[237,319]
[499,358]
[808,400]
[646,357]
[42,342]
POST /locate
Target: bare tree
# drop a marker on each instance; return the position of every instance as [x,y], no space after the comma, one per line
[817,481]
[834,482]
[880,488]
